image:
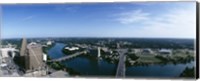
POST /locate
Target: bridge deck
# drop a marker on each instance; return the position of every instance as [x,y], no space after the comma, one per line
[121,65]
[67,57]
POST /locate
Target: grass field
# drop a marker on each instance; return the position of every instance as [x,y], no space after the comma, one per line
[176,56]
[147,58]
[183,55]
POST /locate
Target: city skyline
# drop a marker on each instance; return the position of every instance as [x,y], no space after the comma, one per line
[149,20]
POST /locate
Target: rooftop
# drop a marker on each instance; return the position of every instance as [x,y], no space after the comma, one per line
[59,74]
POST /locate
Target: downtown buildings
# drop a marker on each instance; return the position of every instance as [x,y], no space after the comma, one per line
[31,56]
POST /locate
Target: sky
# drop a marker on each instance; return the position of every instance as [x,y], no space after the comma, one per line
[133,19]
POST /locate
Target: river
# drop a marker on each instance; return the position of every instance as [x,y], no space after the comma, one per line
[88,67]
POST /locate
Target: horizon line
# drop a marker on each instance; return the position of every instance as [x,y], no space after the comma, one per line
[100,37]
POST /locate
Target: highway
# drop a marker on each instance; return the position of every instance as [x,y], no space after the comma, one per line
[121,65]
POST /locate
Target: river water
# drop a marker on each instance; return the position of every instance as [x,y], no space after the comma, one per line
[88,67]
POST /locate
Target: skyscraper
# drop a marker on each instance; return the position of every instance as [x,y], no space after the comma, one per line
[34,57]
[23,47]
[23,51]
[31,56]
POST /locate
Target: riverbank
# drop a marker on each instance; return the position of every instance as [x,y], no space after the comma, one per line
[188,73]
[45,49]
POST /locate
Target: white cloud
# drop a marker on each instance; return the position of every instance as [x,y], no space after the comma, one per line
[66,8]
[132,17]
[28,18]
[178,22]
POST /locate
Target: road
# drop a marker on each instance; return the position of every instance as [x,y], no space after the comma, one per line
[67,57]
[121,65]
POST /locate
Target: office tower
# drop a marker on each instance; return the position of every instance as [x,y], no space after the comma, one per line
[23,47]
[34,57]
[23,51]
[31,56]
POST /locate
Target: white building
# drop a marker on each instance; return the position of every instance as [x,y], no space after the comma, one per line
[72,48]
[49,43]
[44,57]
[32,43]
[5,52]
[165,51]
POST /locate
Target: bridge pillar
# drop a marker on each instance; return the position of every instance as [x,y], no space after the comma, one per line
[99,52]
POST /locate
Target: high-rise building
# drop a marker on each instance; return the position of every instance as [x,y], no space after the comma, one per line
[31,56]
[23,47]
[23,52]
[34,57]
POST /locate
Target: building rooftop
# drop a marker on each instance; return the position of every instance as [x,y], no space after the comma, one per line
[4,52]
[72,48]
[59,74]
[33,44]
[165,50]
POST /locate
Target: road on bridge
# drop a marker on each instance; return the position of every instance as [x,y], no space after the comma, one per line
[121,65]
[68,56]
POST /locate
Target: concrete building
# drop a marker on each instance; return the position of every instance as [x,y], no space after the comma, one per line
[33,57]
[23,47]
[49,43]
[7,52]
[72,48]
[165,51]
[59,74]
[7,66]
[39,73]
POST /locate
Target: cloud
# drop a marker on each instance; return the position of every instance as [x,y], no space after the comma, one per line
[175,22]
[66,8]
[28,18]
[132,17]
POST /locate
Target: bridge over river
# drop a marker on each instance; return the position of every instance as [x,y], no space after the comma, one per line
[121,69]
[68,57]
[121,65]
